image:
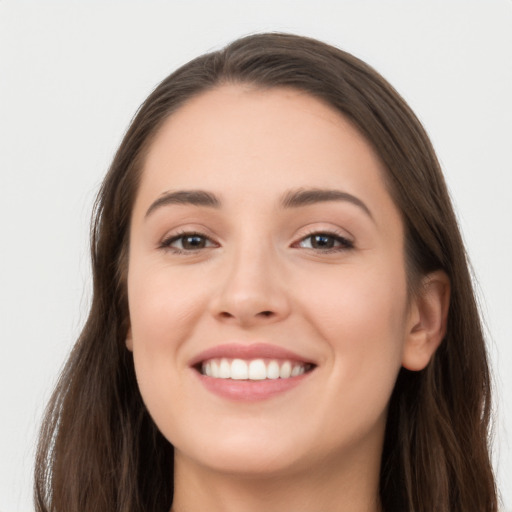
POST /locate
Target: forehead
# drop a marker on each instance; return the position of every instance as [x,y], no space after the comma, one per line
[257,142]
[240,117]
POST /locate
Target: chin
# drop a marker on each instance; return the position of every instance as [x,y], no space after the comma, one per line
[246,453]
[249,463]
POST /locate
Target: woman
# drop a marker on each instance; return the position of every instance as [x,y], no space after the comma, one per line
[282,313]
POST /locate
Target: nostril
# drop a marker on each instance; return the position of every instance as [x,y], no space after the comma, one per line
[246,316]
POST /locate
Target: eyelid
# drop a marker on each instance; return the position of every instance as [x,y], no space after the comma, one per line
[347,241]
[167,240]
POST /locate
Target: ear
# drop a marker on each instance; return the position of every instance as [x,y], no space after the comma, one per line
[427,321]
[129,339]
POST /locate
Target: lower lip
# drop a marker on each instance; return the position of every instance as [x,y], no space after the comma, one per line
[250,390]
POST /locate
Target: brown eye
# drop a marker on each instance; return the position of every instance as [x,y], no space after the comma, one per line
[322,241]
[187,242]
[325,242]
[193,242]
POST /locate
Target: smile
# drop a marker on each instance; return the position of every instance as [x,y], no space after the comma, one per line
[251,372]
[254,369]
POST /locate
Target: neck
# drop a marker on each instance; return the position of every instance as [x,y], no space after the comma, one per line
[352,488]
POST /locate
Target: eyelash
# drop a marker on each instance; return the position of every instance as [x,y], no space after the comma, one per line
[166,244]
[344,243]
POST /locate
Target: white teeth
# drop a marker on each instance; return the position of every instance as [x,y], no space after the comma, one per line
[215,368]
[273,370]
[239,370]
[286,370]
[256,369]
[224,369]
[297,370]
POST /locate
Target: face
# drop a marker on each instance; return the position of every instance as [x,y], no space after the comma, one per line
[266,285]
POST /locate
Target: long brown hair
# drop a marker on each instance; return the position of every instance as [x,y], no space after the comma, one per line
[100,451]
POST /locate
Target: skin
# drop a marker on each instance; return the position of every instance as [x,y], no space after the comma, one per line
[259,279]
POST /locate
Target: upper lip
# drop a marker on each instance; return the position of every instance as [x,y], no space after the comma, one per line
[252,351]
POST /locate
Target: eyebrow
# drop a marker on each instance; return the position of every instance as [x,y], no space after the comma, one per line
[304,197]
[190,197]
[291,199]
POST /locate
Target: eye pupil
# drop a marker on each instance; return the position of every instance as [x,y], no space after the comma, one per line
[322,241]
[193,242]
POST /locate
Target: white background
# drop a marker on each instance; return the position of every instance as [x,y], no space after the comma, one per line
[72,75]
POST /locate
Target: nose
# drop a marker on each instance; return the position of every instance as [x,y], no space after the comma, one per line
[252,290]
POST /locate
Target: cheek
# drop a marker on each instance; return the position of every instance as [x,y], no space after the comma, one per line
[362,317]
[358,302]
[162,309]
[362,323]
[164,312]
[163,315]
